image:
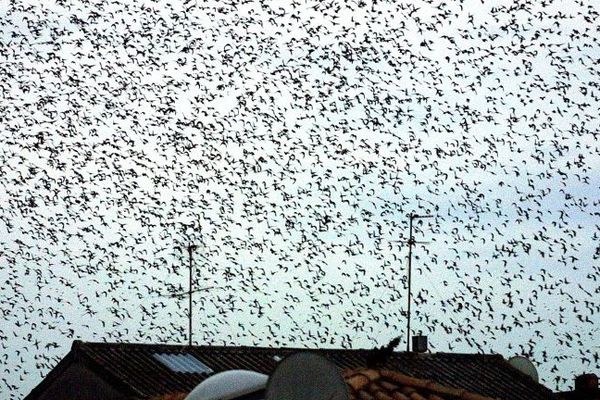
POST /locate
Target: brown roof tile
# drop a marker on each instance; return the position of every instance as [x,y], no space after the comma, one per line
[171,396]
[391,385]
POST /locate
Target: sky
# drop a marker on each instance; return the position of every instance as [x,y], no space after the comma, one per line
[289,141]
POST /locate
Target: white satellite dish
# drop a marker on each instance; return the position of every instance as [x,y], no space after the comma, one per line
[306,376]
[229,385]
[525,366]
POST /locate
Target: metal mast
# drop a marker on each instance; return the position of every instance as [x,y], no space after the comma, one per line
[191,249]
[411,243]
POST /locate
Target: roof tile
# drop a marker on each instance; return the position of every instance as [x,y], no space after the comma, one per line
[391,385]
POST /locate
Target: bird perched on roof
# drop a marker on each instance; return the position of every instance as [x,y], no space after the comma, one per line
[380,355]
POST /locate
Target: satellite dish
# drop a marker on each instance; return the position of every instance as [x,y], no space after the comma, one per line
[525,366]
[306,376]
[228,385]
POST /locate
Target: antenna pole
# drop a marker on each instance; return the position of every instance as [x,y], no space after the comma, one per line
[191,248]
[410,246]
[411,243]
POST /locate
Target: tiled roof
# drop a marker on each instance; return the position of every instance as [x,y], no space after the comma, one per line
[135,369]
[373,384]
[171,396]
[579,395]
[370,384]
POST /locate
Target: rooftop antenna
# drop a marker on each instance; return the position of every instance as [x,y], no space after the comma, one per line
[190,249]
[411,242]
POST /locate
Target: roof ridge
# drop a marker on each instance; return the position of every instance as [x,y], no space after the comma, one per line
[80,343]
[360,377]
[461,355]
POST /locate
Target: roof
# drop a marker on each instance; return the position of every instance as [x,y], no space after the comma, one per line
[138,373]
[579,395]
[171,396]
[368,384]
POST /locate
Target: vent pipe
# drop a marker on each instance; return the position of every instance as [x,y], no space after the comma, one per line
[419,344]
[586,383]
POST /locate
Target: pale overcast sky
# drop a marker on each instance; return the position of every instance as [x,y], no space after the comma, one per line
[293,139]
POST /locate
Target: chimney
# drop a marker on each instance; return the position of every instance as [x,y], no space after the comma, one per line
[419,343]
[586,383]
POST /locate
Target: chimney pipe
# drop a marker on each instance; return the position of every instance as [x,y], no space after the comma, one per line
[586,383]
[419,344]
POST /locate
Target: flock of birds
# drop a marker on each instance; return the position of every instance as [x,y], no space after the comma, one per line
[289,141]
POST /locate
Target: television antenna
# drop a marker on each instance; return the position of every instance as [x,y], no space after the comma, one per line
[190,250]
[411,242]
